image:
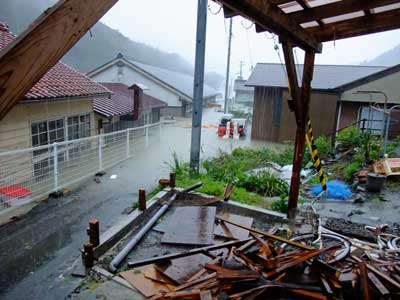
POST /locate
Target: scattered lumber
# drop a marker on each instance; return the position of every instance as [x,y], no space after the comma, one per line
[268,266]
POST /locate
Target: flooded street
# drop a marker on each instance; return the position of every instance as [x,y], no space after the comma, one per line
[38,251]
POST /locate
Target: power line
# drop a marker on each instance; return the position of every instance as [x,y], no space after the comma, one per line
[214,13]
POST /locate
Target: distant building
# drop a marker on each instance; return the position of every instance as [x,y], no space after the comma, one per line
[57,108]
[334,104]
[174,88]
[244,95]
[118,111]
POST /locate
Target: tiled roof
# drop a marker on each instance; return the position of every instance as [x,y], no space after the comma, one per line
[60,81]
[121,101]
[326,77]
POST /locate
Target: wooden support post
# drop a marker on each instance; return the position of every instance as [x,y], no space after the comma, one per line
[142,199]
[88,256]
[301,100]
[172,179]
[94,232]
[364,288]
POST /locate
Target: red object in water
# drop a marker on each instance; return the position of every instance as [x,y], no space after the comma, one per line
[15,191]
[221,130]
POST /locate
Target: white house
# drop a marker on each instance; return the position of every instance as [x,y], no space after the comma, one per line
[174,88]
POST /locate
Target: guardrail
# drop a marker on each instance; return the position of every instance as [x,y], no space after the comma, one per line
[32,173]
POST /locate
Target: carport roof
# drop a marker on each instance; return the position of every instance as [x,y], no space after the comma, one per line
[326,77]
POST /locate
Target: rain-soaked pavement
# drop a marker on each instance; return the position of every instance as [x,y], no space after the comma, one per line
[36,253]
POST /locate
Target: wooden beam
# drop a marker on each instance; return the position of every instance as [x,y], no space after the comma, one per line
[302,114]
[306,8]
[43,44]
[229,13]
[279,2]
[267,15]
[372,23]
[336,9]
[293,83]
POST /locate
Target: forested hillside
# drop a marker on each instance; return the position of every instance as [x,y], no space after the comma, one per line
[99,46]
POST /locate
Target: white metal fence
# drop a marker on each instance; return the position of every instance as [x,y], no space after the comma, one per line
[32,173]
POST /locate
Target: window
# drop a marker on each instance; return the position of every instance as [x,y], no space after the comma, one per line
[78,126]
[58,130]
[44,133]
[39,134]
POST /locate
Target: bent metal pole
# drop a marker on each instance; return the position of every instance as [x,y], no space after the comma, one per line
[135,240]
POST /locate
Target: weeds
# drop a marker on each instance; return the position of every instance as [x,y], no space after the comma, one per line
[324,146]
[280,205]
[265,184]
[349,171]
[234,168]
[349,138]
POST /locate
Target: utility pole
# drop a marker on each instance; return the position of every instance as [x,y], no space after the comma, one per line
[228,65]
[198,85]
[241,70]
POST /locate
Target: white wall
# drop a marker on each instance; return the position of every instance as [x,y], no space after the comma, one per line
[130,76]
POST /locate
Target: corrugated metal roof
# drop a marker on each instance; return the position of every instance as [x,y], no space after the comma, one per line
[325,77]
[179,81]
[121,101]
[60,81]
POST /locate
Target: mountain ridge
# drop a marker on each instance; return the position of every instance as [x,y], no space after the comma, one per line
[101,44]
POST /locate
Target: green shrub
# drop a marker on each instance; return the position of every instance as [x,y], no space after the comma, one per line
[226,167]
[324,146]
[349,171]
[280,205]
[349,138]
[265,184]
[392,146]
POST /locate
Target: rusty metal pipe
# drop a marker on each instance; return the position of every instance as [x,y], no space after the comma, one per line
[135,240]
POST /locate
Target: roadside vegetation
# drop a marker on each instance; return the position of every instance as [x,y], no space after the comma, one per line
[250,188]
[247,168]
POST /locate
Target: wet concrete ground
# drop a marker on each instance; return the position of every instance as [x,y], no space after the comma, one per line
[36,253]
[375,209]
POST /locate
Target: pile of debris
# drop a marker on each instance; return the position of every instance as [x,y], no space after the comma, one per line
[262,265]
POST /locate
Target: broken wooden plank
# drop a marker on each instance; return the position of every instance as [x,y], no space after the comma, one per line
[232,231]
[224,273]
[377,272]
[185,253]
[196,282]
[196,228]
[180,270]
[266,234]
[294,262]
[364,288]
[378,284]
[203,270]
[206,295]
[147,287]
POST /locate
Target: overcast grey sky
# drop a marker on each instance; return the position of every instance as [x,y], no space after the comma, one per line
[171,26]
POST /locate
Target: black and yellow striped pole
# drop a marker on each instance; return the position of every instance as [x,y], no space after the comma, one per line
[314,154]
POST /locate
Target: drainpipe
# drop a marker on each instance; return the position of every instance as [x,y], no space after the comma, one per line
[135,240]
